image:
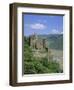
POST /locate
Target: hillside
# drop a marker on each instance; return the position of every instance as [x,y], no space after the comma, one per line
[55,40]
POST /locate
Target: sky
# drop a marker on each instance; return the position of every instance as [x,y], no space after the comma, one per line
[42,24]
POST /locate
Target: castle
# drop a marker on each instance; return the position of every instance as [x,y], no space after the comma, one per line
[39,47]
[38,43]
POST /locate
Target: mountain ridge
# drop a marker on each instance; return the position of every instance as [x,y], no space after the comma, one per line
[55,40]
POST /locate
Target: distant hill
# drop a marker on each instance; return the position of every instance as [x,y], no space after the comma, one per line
[55,40]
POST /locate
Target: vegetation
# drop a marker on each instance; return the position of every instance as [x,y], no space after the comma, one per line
[55,40]
[33,65]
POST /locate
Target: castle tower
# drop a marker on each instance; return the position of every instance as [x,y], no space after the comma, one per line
[33,39]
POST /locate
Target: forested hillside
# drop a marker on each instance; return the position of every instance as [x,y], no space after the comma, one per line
[55,40]
[34,65]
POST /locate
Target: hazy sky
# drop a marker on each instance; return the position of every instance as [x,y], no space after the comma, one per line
[42,24]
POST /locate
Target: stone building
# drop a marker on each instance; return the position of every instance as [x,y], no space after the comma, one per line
[38,43]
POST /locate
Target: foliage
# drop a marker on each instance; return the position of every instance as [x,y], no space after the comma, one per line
[33,65]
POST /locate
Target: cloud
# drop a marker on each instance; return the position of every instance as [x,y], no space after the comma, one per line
[38,26]
[55,31]
[62,32]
